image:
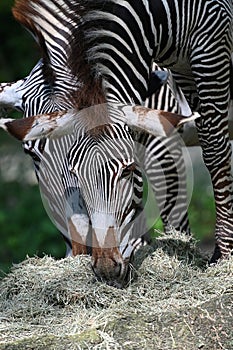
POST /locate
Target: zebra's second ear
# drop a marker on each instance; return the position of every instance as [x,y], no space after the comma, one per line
[155,122]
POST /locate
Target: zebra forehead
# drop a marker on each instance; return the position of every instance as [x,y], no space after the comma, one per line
[101,151]
[108,137]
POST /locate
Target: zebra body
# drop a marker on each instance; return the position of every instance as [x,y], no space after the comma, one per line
[112,48]
[193,39]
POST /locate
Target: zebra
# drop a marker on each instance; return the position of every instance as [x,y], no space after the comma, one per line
[116,71]
[56,162]
[23,95]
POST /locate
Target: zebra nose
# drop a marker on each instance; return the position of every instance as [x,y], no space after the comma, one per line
[111,272]
[107,261]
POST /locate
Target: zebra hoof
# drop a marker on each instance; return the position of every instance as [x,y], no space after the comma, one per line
[216,256]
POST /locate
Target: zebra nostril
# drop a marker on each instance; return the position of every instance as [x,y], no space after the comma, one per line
[117,268]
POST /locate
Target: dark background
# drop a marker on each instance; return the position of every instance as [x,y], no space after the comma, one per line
[24,226]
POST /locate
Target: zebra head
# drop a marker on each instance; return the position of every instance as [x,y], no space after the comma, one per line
[104,160]
[110,181]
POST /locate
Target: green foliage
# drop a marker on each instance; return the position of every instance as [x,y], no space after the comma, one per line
[202,214]
[25,227]
[18,51]
[6,5]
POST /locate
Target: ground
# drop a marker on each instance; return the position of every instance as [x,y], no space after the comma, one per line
[175,301]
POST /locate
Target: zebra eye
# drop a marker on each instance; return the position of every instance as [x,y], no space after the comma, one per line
[128,170]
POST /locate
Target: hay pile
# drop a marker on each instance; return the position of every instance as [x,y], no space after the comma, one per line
[174,303]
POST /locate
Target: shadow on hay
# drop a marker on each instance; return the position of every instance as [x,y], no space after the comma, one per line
[185,250]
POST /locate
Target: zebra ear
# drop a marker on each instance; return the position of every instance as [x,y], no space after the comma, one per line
[36,127]
[56,124]
[154,122]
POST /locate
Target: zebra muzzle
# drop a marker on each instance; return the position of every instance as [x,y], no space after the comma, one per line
[107,261]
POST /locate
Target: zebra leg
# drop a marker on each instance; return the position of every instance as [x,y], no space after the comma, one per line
[213,87]
[163,163]
[165,169]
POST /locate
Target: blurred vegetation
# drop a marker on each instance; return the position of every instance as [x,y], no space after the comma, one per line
[19,51]
[24,226]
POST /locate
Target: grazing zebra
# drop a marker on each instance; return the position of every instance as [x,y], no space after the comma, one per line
[34,95]
[113,46]
[23,95]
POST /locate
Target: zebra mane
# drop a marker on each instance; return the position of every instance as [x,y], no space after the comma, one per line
[47,22]
[25,13]
[82,41]
[85,37]
[40,17]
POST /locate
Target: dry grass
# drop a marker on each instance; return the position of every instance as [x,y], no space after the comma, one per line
[176,302]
